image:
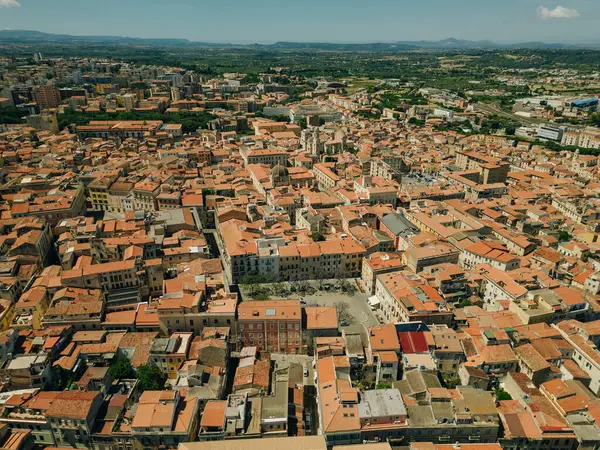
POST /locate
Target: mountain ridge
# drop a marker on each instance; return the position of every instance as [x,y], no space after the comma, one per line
[39,37]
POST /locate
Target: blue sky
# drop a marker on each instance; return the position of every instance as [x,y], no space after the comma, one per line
[264,21]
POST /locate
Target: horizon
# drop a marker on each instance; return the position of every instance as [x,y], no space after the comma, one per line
[251,42]
[336,21]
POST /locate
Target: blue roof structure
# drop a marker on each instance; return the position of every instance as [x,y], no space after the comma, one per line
[585,103]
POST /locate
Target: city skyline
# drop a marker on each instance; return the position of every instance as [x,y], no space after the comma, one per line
[570,21]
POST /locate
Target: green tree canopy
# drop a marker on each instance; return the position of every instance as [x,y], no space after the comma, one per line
[317,237]
[564,236]
[11,116]
[61,378]
[121,368]
[501,394]
[150,378]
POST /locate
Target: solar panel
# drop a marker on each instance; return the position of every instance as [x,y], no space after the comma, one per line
[270,312]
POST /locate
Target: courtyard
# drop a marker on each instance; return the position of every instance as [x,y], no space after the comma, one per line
[354,313]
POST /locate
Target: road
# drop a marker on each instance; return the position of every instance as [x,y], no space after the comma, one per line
[493,108]
[215,244]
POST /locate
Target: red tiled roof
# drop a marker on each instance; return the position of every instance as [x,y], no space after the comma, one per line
[413,342]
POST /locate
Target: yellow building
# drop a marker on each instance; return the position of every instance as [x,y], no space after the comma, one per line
[30,309]
[7,312]
[102,87]
[588,237]
[99,195]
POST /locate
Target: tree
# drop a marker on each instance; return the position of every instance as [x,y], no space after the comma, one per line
[317,237]
[280,289]
[463,303]
[11,115]
[501,394]
[262,296]
[450,381]
[61,378]
[139,85]
[302,123]
[120,368]
[150,378]
[564,236]
[343,310]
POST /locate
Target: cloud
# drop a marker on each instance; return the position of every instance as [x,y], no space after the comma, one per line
[9,4]
[560,12]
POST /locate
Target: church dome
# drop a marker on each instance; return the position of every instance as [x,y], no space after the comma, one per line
[279,171]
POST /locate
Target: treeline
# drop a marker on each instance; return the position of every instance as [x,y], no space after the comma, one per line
[11,116]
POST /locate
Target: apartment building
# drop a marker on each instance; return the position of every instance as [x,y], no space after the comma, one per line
[168,354]
[145,194]
[248,253]
[376,264]
[83,309]
[273,326]
[122,282]
[118,192]
[516,243]
[161,419]
[325,176]
[448,351]
[524,426]
[585,353]
[405,297]
[488,252]
[30,309]
[27,371]
[27,411]
[63,204]
[119,129]
[47,96]
[99,193]
[186,307]
[72,415]
[575,209]
[417,258]
[270,157]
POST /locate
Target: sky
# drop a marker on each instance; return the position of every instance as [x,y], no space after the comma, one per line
[267,21]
